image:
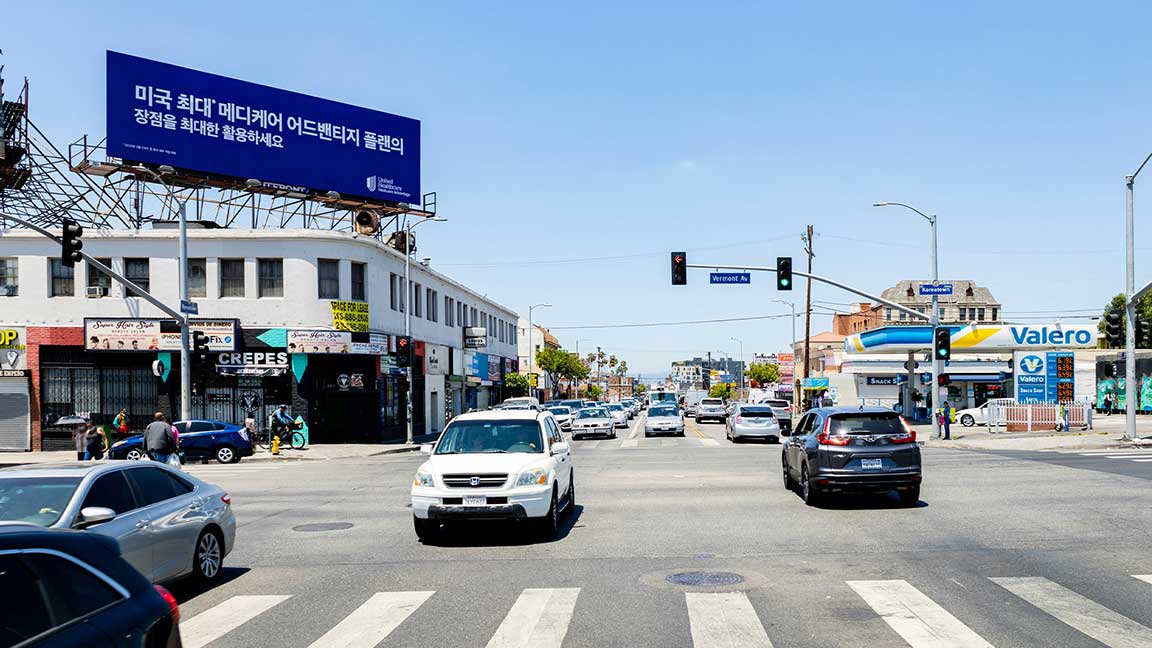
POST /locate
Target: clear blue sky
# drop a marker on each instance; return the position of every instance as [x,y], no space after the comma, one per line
[557,132]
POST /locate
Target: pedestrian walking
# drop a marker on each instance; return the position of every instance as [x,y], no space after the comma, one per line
[78,436]
[120,423]
[95,443]
[1108,404]
[159,443]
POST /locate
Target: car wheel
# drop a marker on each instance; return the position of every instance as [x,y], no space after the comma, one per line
[426,530]
[967,420]
[910,497]
[571,495]
[549,525]
[208,562]
[135,454]
[646,434]
[789,484]
[226,455]
[697,421]
[807,491]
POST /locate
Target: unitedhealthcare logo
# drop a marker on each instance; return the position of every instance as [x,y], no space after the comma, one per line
[1031,364]
[371,182]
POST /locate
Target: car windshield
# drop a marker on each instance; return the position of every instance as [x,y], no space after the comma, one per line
[662,410]
[616,407]
[866,423]
[756,412]
[777,403]
[479,437]
[35,500]
[592,412]
[560,411]
[573,404]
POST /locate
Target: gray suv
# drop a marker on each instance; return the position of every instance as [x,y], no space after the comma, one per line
[846,449]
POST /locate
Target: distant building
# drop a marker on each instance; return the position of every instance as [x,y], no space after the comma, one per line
[864,318]
[968,303]
[540,338]
[689,374]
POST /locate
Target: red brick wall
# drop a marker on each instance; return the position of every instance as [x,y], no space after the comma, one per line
[38,336]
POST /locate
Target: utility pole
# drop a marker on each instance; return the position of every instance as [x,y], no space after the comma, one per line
[807,238]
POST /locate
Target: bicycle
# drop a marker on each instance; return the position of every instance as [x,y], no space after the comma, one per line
[291,438]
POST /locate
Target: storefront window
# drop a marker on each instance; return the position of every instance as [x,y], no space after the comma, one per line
[97,279]
[136,270]
[271,273]
[9,278]
[197,277]
[63,279]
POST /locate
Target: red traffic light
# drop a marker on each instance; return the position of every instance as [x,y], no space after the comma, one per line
[679,268]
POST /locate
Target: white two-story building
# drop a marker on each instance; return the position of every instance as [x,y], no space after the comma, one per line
[306,318]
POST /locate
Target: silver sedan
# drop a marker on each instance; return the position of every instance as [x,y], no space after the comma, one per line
[748,421]
[593,420]
[664,419]
[168,523]
[619,414]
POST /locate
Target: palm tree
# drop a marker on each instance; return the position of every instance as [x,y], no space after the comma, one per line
[612,361]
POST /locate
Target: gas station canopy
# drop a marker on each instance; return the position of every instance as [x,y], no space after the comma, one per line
[998,338]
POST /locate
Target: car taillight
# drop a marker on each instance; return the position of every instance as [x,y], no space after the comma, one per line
[227,499]
[826,439]
[909,435]
[173,606]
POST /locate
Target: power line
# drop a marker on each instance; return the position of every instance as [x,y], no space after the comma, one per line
[622,257]
[647,324]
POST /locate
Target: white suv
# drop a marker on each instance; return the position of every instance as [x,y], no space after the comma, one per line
[508,464]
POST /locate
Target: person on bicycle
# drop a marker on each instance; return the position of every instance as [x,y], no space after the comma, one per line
[281,421]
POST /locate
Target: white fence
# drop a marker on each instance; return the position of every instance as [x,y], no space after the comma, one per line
[1005,415]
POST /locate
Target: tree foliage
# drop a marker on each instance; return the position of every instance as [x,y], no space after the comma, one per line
[558,363]
[592,392]
[763,373]
[720,390]
[641,388]
[516,385]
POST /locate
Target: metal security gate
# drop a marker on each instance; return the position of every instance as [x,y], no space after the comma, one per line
[15,419]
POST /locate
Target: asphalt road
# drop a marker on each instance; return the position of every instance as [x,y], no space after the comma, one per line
[1002,551]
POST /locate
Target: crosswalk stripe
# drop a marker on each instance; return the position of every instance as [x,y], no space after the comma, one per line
[1147,578]
[221,619]
[539,619]
[915,617]
[1141,460]
[1105,453]
[709,442]
[630,443]
[724,620]
[370,623]
[1108,627]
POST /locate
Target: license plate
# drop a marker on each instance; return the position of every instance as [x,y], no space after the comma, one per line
[871,463]
[475,501]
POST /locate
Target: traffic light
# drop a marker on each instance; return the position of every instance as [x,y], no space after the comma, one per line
[1143,332]
[679,269]
[943,379]
[943,346]
[783,273]
[200,343]
[70,243]
[1114,329]
[403,351]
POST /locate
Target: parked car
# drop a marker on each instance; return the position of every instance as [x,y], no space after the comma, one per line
[664,418]
[973,416]
[711,408]
[593,420]
[506,466]
[563,416]
[199,440]
[169,523]
[783,411]
[619,414]
[72,588]
[748,421]
[845,449]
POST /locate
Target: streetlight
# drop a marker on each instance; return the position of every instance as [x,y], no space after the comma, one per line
[408,298]
[531,345]
[576,381]
[741,343]
[1130,307]
[936,368]
[792,348]
[185,359]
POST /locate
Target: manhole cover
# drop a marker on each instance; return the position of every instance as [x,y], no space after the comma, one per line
[705,579]
[323,526]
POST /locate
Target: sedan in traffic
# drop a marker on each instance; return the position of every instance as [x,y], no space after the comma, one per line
[783,411]
[200,440]
[752,421]
[169,524]
[563,416]
[844,449]
[664,419]
[619,414]
[593,420]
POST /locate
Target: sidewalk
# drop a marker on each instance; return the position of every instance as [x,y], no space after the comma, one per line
[979,438]
[318,452]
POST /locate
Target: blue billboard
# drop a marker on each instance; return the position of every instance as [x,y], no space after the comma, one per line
[195,121]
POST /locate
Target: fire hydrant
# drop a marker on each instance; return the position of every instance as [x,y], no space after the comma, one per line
[275,444]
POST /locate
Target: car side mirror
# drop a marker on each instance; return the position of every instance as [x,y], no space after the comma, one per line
[426,448]
[559,448]
[93,515]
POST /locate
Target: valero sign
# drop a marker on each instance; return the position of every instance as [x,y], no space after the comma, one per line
[974,337]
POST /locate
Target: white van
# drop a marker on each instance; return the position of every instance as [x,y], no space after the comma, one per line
[523,402]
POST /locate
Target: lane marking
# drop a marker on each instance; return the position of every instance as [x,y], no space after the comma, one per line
[217,621]
[724,620]
[538,619]
[636,427]
[709,442]
[1105,453]
[1147,578]
[915,617]
[630,443]
[1108,627]
[1141,460]
[591,445]
[370,623]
